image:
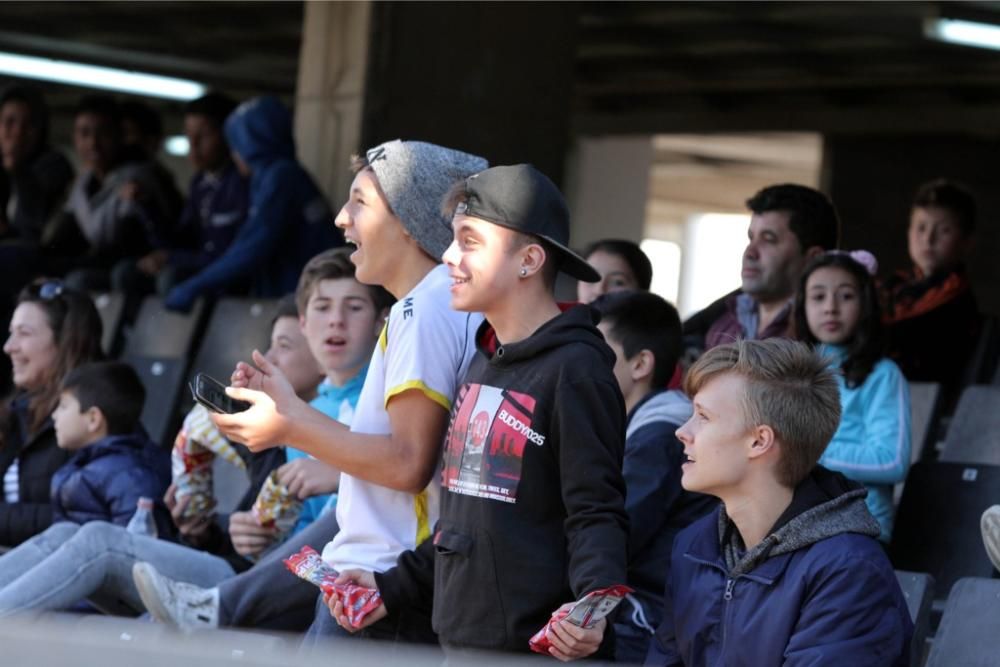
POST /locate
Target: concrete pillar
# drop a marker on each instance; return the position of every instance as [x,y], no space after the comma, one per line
[330,92]
[607,187]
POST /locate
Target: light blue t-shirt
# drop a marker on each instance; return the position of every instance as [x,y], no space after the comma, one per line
[337,403]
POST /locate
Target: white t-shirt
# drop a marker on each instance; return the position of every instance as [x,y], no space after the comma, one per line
[425,346]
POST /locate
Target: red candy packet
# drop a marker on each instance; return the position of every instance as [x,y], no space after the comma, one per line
[584,613]
[358,601]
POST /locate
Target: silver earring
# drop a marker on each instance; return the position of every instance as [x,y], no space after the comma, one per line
[524,272]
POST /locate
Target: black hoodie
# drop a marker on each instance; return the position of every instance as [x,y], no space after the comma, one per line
[532,514]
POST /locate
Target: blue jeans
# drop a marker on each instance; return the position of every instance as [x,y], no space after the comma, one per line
[69,562]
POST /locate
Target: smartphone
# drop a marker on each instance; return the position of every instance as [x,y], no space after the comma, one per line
[212,394]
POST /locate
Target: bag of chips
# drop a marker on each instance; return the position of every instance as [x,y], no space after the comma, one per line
[276,506]
[195,448]
[358,601]
[584,613]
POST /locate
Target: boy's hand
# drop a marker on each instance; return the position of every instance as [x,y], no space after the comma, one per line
[266,423]
[361,578]
[571,642]
[307,477]
[249,537]
[195,528]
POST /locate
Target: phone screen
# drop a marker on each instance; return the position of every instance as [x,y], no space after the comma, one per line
[212,394]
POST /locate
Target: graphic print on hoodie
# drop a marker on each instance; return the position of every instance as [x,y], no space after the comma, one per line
[485,448]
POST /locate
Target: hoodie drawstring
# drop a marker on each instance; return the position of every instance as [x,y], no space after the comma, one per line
[638,615]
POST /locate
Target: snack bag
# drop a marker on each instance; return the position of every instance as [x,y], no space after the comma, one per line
[358,601]
[584,613]
[196,446]
[276,506]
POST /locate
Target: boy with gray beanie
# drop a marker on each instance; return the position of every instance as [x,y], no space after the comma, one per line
[388,457]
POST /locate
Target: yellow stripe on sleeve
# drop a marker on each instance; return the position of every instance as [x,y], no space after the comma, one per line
[437,397]
[423,522]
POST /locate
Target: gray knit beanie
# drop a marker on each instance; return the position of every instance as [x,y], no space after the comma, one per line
[415,176]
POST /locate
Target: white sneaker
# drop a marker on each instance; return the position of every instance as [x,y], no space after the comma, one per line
[990,525]
[180,605]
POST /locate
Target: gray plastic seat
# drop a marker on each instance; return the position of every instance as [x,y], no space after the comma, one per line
[974,432]
[937,525]
[969,634]
[918,589]
[925,400]
[159,332]
[163,379]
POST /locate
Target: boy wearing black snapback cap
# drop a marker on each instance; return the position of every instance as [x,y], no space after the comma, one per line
[532,503]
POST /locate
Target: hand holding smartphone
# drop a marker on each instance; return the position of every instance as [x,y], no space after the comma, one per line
[212,394]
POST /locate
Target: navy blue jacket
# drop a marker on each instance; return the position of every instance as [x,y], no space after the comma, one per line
[818,590]
[658,508]
[289,220]
[104,481]
[215,211]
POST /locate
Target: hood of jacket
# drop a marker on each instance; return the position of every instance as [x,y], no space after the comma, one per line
[668,405]
[260,131]
[576,324]
[823,505]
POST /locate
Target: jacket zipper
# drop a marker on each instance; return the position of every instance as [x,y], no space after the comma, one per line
[727,598]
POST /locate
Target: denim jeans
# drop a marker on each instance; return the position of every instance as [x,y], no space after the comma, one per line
[69,562]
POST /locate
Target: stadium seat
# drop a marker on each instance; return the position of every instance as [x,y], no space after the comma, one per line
[969,634]
[918,589]
[925,399]
[236,327]
[982,365]
[974,432]
[163,379]
[937,525]
[111,308]
[163,333]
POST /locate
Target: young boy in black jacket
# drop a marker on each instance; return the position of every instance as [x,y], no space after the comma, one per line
[532,503]
[644,332]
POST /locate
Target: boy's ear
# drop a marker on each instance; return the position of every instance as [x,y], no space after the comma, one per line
[94,418]
[814,251]
[763,443]
[642,365]
[380,319]
[302,323]
[533,258]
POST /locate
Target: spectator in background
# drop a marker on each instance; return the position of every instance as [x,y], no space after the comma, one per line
[931,313]
[789,224]
[218,199]
[837,310]
[622,265]
[116,208]
[644,331]
[288,222]
[36,180]
[54,329]
[142,134]
[38,176]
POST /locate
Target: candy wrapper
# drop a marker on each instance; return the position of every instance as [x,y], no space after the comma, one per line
[196,446]
[276,506]
[358,601]
[584,613]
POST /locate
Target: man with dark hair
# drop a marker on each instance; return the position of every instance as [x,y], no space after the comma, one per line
[789,224]
[218,200]
[37,175]
[288,218]
[644,332]
[931,312]
[116,207]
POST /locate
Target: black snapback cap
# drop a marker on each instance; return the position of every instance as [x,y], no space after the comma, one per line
[522,198]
